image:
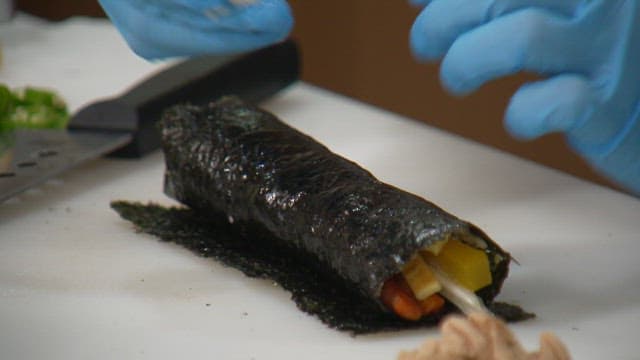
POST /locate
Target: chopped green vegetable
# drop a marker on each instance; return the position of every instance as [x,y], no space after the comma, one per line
[31,108]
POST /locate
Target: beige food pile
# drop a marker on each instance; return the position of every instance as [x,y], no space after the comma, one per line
[483,337]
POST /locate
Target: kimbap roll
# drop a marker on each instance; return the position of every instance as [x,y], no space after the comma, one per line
[407,254]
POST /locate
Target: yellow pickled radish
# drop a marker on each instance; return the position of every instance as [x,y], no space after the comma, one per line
[464,264]
[436,247]
[420,278]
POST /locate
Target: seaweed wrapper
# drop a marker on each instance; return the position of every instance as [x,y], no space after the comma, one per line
[230,157]
[259,254]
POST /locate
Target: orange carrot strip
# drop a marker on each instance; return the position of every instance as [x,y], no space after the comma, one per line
[432,304]
[400,302]
[404,285]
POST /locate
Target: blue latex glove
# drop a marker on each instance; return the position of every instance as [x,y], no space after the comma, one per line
[157,29]
[589,49]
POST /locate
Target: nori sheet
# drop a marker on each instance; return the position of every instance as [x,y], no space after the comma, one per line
[230,157]
[274,203]
[314,290]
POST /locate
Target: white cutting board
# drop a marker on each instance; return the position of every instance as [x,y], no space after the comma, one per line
[76,282]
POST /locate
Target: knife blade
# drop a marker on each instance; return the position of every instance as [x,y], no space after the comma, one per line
[124,126]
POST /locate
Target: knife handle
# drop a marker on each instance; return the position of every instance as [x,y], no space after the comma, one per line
[254,77]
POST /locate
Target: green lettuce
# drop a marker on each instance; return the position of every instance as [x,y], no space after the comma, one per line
[31,108]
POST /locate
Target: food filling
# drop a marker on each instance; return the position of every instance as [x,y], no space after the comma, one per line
[451,269]
[483,337]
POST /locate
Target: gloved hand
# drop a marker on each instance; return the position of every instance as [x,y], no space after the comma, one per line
[589,49]
[157,29]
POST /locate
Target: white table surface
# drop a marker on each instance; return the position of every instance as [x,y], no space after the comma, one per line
[76,282]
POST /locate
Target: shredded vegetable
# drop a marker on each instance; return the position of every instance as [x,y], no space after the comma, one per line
[31,108]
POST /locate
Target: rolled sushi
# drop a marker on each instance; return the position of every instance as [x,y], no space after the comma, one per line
[396,248]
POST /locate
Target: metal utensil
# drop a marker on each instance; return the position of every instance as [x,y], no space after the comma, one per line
[124,126]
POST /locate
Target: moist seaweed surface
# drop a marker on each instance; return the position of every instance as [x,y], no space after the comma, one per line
[256,253]
[274,203]
[231,157]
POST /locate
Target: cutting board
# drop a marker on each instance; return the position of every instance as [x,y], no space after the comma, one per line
[76,281]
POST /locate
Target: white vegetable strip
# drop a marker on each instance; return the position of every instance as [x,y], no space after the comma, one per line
[467,301]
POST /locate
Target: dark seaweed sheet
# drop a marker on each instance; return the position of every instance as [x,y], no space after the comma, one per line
[234,158]
[258,254]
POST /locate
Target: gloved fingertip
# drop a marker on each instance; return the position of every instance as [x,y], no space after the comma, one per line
[456,88]
[422,48]
[553,105]
[519,125]
[144,49]
[279,32]
[419,3]
[149,53]
[280,20]
[461,70]
[455,81]
[416,43]
[272,20]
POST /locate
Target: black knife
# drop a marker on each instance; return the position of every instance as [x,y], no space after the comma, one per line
[125,126]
